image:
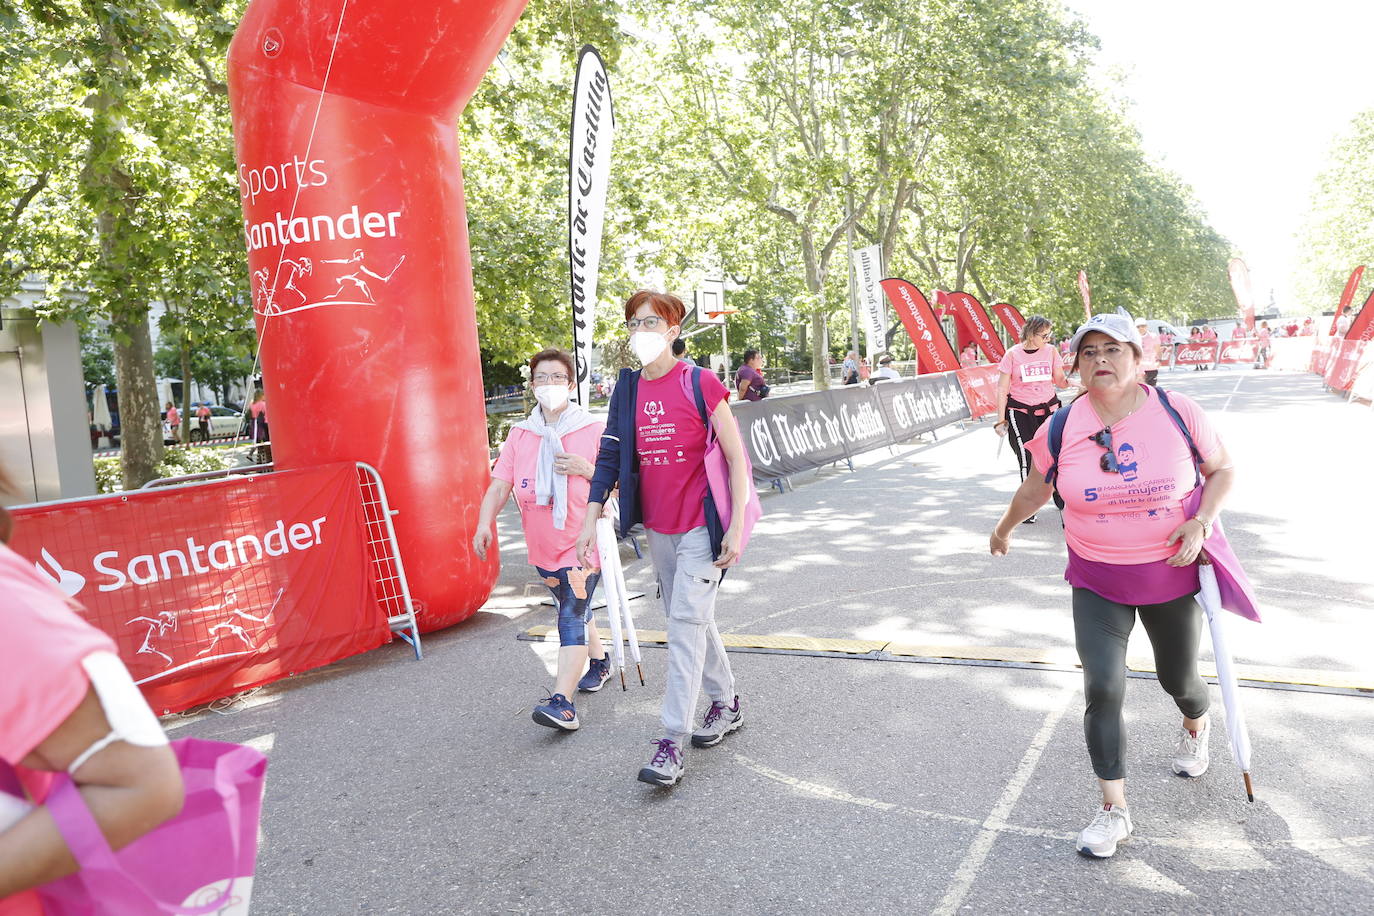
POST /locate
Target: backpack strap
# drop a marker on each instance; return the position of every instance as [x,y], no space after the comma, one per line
[1058,419]
[1174,415]
[696,393]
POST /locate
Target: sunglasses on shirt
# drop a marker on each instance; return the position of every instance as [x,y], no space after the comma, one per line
[1103,438]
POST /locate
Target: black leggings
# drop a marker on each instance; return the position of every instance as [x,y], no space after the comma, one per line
[1101,628]
[1022,425]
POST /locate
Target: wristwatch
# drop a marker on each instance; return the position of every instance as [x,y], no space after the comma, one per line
[1206,526]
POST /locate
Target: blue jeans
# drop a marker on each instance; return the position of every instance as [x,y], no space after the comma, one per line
[572,589]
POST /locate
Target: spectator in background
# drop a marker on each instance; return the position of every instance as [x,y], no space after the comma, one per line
[968,357]
[174,421]
[849,370]
[1262,348]
[1342,325]
[885,370]
[203,416]
[680,352]
[749,381]
[1149,346]
[865,370]
[1306,330]
[257,428]
[1238,332]
[69,706]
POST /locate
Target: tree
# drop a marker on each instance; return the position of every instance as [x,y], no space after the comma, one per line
[1337,235]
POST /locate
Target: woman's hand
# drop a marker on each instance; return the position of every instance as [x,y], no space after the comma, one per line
[481,541]
[998,545]
[1189,534]
[729,547]
[572,465]
[585,548]
[1000,427]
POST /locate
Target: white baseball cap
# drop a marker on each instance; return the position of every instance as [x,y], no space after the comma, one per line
[1117,327]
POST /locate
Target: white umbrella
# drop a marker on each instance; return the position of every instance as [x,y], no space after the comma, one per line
[617,599]
[100,410]
[1226,675]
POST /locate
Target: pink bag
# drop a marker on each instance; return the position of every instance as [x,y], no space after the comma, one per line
[718,470]
[201,861]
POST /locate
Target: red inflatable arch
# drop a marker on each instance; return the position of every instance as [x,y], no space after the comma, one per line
[345,133]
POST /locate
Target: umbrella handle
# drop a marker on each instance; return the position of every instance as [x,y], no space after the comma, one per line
[1249,786]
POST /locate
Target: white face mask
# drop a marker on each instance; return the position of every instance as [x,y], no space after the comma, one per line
[647,345]
[551,397]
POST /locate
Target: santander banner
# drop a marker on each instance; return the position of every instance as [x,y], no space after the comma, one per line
[980,389]
[1362,328]
[933,352]
[214,590]
[345,137]
[1347,295]
[973,318]
[589,173]
[1010,317]
[1190,353]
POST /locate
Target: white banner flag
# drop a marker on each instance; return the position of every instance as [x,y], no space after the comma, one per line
[868,269]
[589,171]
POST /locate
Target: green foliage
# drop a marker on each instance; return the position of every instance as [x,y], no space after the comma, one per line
[175,463]
[1338,234]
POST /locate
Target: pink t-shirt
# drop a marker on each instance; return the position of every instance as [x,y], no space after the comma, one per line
[1263,335]
[42,643]
[173,417]
[1124,518]
[671,440]
[1032,373]
[1149,348]
[549,548]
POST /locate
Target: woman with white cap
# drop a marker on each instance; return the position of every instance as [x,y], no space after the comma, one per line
[1129,461]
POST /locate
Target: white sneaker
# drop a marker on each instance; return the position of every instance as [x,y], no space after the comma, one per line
[1191,757]
[1109,826]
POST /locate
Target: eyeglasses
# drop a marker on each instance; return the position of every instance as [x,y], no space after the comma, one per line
[556,378]
[1103,437]
[650,323]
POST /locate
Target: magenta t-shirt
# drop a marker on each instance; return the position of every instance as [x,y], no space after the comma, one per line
[671,440]
[549,547]
[1032,373]
[1125,518]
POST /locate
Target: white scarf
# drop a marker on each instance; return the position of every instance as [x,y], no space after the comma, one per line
[548,486]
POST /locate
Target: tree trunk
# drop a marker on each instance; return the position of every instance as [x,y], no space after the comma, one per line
[820,363]
[186,382]
[140,424]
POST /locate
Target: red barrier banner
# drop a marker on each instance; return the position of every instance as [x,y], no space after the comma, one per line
[1321,355]
[1237,351]
[1363,326]
[971,315]
[213,589]
[1010,317]
[1195,354]
[980,389]
[933,352]
[1344,364]
[1347,295]
[1245,298]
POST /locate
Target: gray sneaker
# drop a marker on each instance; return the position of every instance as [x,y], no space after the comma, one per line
[1111,824]
[1191,756]
[720,720]
[665,767]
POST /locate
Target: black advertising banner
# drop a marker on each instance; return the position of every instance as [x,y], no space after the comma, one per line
[919,405]
[787,435]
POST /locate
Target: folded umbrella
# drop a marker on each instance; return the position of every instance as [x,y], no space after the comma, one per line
[617,599]
[1210,597]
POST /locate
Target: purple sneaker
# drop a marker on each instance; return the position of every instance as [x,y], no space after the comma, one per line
[720,721]
[665,767]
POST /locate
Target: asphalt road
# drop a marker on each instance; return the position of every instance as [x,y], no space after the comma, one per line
[867,784]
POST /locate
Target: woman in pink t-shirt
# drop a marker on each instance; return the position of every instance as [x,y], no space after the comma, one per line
[68,705]
[1134,524]
[547,462]
[1027,388]
[655,450]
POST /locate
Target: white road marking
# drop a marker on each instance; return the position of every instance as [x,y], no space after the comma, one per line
[1239,379]
[977,854]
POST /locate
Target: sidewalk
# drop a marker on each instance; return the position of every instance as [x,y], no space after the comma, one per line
[864,783]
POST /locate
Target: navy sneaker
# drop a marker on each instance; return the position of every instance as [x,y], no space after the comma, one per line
[598,672]
[557,712]
[720,721]
[665,767]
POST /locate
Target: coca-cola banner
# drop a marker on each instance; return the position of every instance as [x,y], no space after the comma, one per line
[933,352]
[1347,295]
[979,385]
[1011,319]
[788,435]
[1237,351]
[973,318]
[1193,353]
[213,589]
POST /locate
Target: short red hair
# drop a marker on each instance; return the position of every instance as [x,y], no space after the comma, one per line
[665,305]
